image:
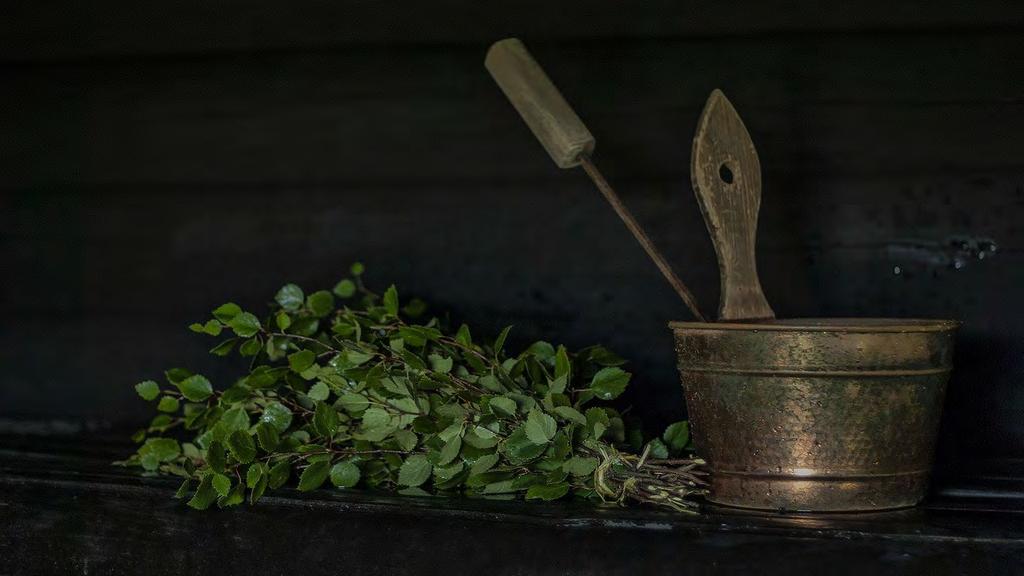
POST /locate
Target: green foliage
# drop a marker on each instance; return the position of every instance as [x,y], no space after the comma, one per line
[148,390]
[366,389]
[677,436]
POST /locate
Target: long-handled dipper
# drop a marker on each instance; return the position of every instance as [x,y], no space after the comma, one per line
[565,137]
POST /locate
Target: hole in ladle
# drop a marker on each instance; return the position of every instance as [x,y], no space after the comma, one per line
[725,174]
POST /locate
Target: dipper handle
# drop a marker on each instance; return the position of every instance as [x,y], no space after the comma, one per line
[726,176]
[566,139]
[539,102]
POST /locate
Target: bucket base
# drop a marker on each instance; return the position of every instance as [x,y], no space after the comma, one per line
[818,493]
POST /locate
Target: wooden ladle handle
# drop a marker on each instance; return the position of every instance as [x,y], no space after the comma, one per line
[726,176]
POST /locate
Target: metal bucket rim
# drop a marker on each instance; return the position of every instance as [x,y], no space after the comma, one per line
[898,325]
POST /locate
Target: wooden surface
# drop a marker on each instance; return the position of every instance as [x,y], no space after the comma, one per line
[159,159]
[71,30]
[726,176]
[126,524]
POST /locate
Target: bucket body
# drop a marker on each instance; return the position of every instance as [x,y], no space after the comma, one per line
[816,414]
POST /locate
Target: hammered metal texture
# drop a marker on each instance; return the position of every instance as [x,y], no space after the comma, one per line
[816,415]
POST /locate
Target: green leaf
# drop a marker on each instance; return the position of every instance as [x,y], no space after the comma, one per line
[345,474]
[267,436]
[168,404]
[483,464]
[221,484]
[597,422]
[319,392]
[320,303]
[157,450]
[353,402]
[604,357]
[301,360]
[608,383]
[406,440]
[250,347]
[547,492]
[540,428]
[357,269]
[254,474]
[580,466]
[520,449]
[502,406]
[212,327]
[563,366]
[205,494]
[195,388]
[233,498]
[279,474]
[147,389]
[500,342]
[283,320]
[541,350]
[241,446]
[245,325]
[215,456]
[406,405]
[480,437]
[355,358]
[677,435]
[345,289]
[290,297]
[489,382]
[314,475]
[305,326]
[450,450]
[376,418]
[391,300]
[175,375]
[277,415]
[451,432]
[658,448]
[226,312]
[235,419]
[258,489]
[415,308]
[414,471]
[224,348]
[571,414]
[440,364]
[463,336]
[183,489]
[325,419]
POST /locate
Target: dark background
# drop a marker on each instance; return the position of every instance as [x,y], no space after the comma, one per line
[157,159]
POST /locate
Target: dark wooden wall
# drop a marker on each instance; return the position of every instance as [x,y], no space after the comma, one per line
[157,159]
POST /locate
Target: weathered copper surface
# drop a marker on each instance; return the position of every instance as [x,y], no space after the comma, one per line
[816,415]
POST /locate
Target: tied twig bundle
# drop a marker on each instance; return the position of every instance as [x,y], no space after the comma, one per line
[671,483]
[370,392]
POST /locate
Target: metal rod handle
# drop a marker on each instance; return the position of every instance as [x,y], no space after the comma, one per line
[627,218]
[565,137]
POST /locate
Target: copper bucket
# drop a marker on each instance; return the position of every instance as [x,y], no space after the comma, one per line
[797,415]
[816,414]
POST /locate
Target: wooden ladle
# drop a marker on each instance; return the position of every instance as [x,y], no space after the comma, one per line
[726,175]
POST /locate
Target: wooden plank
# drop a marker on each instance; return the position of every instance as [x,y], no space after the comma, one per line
[814,105]
[124,524]
[41,30]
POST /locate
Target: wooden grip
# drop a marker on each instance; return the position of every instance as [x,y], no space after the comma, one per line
[539,102]
[726,176]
